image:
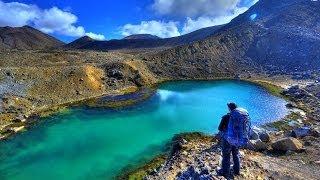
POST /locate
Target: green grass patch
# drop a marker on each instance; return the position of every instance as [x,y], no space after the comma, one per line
[284,124]
[142,171]
[273,89]
[193,136]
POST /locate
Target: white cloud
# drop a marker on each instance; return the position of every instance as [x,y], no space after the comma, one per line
[53,20]
[17,14]
[99,37]
[56,20]
[194,8]
[201,13]
[207,21]
[157,28]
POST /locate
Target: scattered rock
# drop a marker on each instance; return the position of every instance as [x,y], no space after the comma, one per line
[307,143]
[257,145]
[192,173]
[114,73]
[184,153]
[258,133]
[78,92]
[291,106]
[20,119]
[184,141]
[301,132]
[293,123]
[287,144]
[315,132]
[8,73]
[154,172]
[18,129]
[264,136]
[138,80]
[71,73]
[254,135]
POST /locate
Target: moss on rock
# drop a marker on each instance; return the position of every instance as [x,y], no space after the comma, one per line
[142,171]
[272,88]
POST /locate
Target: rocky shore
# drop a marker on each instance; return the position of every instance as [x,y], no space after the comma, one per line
[286,149]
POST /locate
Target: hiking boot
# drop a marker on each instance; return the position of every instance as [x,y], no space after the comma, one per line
[237,173]
[221,173]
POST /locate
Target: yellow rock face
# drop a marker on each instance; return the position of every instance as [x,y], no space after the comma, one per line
[94,77]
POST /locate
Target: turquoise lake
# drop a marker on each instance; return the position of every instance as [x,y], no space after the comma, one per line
[93,143]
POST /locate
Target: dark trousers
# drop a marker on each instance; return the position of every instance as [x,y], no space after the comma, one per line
[227,149]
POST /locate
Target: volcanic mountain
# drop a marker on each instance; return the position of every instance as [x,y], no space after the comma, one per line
[145,41]
[272,36]
[78,43]
[26,38]
[142,36]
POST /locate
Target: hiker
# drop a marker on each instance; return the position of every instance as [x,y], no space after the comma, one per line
[235,137]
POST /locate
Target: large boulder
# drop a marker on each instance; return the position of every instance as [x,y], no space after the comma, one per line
[257,145]
[264,136]
[258,133]
[301,132]
[193,173]
[316,132]
[287,144]
[115,73]
[254,135]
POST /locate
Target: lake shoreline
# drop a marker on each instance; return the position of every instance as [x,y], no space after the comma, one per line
[96,102]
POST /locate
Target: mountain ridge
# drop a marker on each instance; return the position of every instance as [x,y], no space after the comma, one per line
[147,43]
[26,38]
[142,36]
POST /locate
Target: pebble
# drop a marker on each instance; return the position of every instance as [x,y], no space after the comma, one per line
[242,154]
[184,141]
[185,153]
[18,129]
[181,165]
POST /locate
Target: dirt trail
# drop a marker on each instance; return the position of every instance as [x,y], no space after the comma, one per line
[286,168]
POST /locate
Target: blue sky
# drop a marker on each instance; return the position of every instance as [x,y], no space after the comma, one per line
[111,19]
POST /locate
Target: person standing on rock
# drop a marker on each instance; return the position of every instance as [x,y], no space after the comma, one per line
[235,137]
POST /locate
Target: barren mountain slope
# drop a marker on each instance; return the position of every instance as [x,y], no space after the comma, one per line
[26,38]
[142,36]
[274,36]
[78,43]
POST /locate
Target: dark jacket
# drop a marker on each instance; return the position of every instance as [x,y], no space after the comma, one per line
[223,127]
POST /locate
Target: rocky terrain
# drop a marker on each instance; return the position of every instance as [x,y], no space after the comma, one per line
[26,38]
[273,37]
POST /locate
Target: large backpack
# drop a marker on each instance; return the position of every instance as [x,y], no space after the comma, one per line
[239,128]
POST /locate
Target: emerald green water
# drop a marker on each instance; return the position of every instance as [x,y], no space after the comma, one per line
[97,143]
